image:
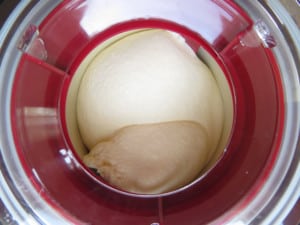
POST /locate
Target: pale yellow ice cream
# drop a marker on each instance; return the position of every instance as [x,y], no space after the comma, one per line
[151,159]
[150,112]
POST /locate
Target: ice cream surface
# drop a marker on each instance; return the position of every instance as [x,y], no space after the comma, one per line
[147,104]
[151,159]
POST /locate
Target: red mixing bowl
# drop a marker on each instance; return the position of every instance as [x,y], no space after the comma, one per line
[238,188]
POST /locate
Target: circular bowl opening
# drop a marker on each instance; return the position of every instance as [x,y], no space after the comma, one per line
[201,50]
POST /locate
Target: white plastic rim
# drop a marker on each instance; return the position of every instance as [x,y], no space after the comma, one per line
[275,200]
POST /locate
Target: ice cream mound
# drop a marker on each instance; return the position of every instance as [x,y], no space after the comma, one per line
[150,113]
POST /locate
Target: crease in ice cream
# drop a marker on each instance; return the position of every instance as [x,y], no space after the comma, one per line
[150,113]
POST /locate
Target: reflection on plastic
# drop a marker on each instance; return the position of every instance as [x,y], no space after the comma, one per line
[42,123]
[69,158]
[264,34]
[259,34]
[237,223]
[32,44]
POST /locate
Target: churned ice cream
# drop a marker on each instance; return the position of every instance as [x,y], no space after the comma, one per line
[152,158]
[150,112]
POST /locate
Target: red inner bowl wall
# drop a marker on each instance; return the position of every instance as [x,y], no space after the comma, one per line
[45,153]
[66,37]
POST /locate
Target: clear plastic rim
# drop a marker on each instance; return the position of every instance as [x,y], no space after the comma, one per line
[24,203]
[282,190]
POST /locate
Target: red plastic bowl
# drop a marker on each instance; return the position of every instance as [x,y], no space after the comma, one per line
[69,32]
